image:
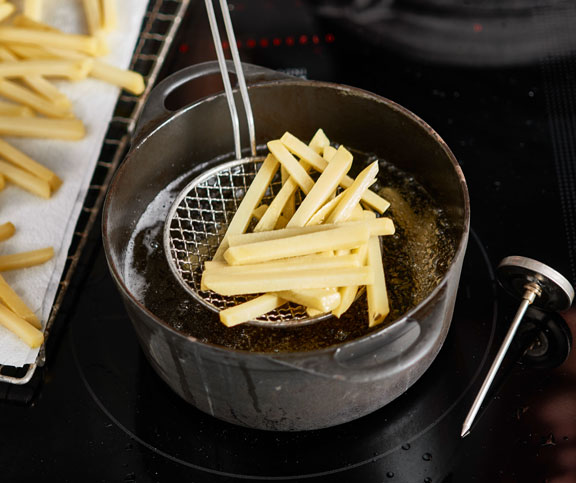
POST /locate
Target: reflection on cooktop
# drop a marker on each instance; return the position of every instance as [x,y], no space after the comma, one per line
[413,438]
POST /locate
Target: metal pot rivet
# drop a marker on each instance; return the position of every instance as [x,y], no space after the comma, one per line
[534,283]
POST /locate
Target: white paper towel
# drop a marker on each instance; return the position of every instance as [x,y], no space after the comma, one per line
[40,222]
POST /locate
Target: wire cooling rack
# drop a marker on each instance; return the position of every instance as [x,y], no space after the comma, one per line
[159,26]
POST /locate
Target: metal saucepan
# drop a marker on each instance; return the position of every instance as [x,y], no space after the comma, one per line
[302,388]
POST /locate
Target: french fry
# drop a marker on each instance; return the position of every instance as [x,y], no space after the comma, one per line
[49,92]
[319,141]
[17,325]
[322,213]
[251,199]
[50,38]
[306,262]
[18,158]
[322,299]
[126,79]
[6,9]
[6,230]
[313,312]
[129,80]
[109,15]
[25,259]
[296,170]
[38,83]
[66,129]
[274,211]
[290,205]
[353,194]
[376,294]
[337,238]
[11,299]
[69,69]
[329,152]
[250,310]
[38,52]
[33,9]
[288,280]
[25,180]
[284,201]
[348,294]
[9,109]
[22,95]
[297,147]
[378,227]
[259,211]
[93,16]
[29,22]
[324,186]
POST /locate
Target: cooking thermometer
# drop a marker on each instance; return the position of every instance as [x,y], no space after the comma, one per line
[535,283]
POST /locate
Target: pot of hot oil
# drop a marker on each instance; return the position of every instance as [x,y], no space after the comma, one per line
[304,377]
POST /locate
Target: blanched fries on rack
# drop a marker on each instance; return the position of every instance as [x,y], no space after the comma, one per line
[328,249]
[32,54]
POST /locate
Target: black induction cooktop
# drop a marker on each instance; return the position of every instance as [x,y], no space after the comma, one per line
[98,412]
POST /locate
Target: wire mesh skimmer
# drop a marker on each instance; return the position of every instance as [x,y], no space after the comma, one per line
[199,217]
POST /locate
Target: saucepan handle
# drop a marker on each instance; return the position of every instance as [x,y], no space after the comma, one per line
[155,110]
[400,347]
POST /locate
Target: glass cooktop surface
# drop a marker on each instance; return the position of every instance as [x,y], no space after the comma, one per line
[98,412]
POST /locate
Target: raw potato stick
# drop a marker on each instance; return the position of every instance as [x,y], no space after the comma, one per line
[300,149]
[17,157]
[378,227]
[322,299]
[323,188]
[11,299]
[338,238]
[286,196]
[322,214]
[2,182]
[319,141]
[259,211]
[250,310]
[25,259]
[353,194]
[274,211]
[288,280]
[25,180]
[306,262]
[251,200]
[348,294]
[66,129]
[378,306]
[328,153]
[17,325]
[6,231]
[296,170]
